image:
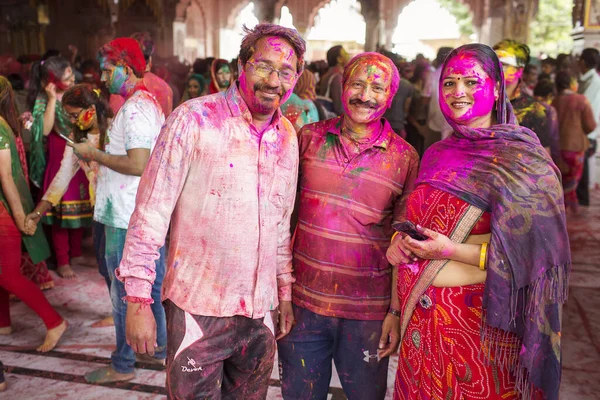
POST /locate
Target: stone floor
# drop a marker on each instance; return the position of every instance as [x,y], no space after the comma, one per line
[59,374]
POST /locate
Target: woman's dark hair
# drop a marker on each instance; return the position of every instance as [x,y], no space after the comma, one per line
[42,72]
[84,96]
[563,80]
[8,107]
[484,55]
[488,60]
[200,79]
[333,54]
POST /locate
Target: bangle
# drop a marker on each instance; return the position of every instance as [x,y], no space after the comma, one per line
[394,235]
[483,256]
[394,312]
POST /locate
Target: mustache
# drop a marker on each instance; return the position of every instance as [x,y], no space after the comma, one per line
[268,89]
[370,104]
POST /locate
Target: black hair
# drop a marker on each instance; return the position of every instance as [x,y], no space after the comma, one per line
[8,107]
[84,96]
[262,30]
[51,53]
[333,55]
[590,57]
[16,81]
[549,61]
[485,57]
[441,56]
[42,72]
[201,66]
[544,88]
[529,67]
[563,80]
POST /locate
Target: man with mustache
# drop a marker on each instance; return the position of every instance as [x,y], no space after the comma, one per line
[355,174]
[223,177]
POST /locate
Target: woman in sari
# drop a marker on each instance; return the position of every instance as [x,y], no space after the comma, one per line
[15,231]
[576,120]
[221,76]
[481,296]
[89,113]
[50,79]
[300,109]
[196,87]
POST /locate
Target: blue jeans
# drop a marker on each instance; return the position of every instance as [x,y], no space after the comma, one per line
[306,353]
[99,249]
[123,359]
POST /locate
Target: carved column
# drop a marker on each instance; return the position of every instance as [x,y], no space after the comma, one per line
[586,20]
[492,27]
[518,14]
[20,32]
[370,10]
[265,10]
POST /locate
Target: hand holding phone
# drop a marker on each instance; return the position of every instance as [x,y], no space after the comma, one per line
[410,229]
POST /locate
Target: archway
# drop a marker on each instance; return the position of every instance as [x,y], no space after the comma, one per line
[195,45]
[231,37]
[286,18]
[335,22]
[425,25]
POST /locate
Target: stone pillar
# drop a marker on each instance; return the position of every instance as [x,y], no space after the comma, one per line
[586,31]
[20,32]
[370,11]
[492,28]
[518,15]
[265,10]
[166,29]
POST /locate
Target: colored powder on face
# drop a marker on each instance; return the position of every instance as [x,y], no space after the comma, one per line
[469,83]
[116,81]
[85,120]
[376,81]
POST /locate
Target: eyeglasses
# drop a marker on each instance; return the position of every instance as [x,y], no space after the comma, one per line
[264,70]
[75,116]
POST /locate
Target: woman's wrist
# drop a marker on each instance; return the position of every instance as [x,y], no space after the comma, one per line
[465,253]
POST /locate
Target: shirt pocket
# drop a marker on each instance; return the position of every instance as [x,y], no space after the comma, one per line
[280,189]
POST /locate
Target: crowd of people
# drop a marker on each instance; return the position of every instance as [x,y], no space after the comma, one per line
[337,211]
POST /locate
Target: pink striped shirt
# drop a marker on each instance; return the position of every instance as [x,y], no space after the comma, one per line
[348,200]
[228,192]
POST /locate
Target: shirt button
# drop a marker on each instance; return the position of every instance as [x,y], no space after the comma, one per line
[346,160]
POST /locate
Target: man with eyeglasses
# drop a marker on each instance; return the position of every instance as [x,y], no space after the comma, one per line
[355,174]
[223,176]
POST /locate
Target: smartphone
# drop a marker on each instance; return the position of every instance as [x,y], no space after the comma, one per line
[66,138]
[410,229]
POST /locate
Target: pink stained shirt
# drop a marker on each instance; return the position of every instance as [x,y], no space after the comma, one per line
[155,85]
[348,199]
[228,193]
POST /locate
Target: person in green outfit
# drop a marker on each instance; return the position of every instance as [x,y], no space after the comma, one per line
[15,203]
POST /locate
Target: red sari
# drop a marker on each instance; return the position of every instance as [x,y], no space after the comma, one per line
[441,353]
